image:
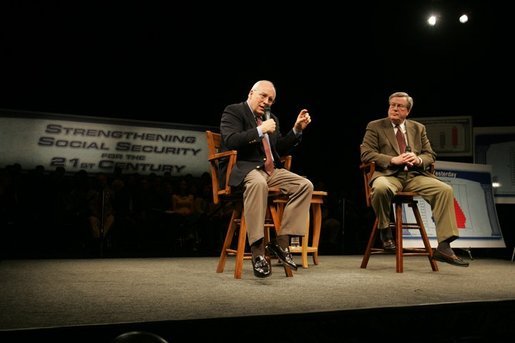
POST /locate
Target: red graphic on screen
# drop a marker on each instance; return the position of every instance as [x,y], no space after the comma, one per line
[460,216]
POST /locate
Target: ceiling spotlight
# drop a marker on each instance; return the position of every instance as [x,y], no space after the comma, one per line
[464,18]
[432,20]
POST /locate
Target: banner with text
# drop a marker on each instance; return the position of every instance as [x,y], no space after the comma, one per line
[101,145]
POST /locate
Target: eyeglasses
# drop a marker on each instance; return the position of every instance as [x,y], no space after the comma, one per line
[398,106]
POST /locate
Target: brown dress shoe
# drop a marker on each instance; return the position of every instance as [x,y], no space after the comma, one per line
[451,259]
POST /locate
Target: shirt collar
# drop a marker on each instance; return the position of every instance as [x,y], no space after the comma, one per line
[402,126]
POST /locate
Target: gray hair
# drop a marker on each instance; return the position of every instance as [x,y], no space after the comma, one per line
[402,95]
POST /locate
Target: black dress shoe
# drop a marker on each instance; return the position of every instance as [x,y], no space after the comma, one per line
[283,254]
[451,259]
[261,267]
[389,244]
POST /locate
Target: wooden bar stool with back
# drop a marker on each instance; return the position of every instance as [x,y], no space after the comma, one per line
[222,192]
[399,201]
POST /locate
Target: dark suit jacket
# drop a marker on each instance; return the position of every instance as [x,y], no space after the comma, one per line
[380,145]
[238,129]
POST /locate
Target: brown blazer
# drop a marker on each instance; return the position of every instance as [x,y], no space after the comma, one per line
[380,145]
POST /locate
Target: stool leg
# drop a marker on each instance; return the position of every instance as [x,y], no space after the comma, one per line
[240,251]
[425,239]
[398,237]
[316,209]
[304,246]
[304,254]
[370,244]
[227,242]
[276,214]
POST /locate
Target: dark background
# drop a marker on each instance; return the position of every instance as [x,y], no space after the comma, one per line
[184,62]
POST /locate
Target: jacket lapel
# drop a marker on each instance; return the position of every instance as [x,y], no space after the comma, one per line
[249,116]
[411,132]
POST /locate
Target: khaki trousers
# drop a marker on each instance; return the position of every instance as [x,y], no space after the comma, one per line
[437,193]
[255,199]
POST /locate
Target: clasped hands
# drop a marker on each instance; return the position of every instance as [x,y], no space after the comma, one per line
[408,158]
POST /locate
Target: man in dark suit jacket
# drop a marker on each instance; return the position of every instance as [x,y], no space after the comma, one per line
[251,129]
[398,170]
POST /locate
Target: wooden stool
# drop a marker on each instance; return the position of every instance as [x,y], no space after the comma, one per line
[223,193]
[399,199]
[237,221]
[315,222]
[398,202]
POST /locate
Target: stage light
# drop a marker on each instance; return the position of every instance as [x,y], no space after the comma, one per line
[432,20]
[464,18]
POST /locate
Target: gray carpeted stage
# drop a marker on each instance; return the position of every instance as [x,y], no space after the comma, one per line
[93,300]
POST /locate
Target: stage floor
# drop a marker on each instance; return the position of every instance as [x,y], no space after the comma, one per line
[81,292]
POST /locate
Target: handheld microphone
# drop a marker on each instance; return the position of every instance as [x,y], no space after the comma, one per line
[267,112]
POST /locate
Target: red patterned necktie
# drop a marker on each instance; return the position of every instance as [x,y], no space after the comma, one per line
[400,139]
[269,163]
